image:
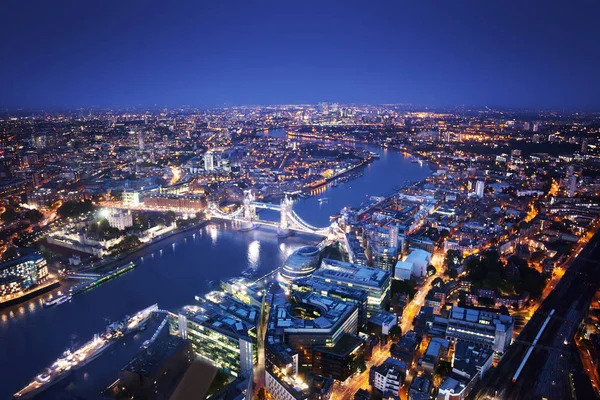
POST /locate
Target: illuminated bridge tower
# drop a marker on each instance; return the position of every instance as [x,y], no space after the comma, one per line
[249,208]
[285,209]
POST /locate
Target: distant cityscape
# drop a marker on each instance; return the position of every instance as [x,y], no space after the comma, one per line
[480,281]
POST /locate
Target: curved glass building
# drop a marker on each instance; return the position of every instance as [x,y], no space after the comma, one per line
[301,263]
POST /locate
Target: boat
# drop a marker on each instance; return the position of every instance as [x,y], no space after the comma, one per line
[323,200]
[91,357]
[249,272]
[57,301]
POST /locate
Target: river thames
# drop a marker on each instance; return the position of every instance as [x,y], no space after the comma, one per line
[171,273]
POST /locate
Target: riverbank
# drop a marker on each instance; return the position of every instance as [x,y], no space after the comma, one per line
[38,291]
[132,254]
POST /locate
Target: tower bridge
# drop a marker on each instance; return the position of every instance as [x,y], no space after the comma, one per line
[288,220]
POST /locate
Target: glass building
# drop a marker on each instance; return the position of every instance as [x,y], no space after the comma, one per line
[222,339]
[301,263]
[21,273]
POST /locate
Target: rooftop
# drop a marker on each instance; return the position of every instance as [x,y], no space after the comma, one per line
[340,271]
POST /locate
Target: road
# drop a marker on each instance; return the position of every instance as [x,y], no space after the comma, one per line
[347,389]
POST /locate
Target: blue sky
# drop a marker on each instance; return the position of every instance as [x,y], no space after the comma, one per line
[536,54]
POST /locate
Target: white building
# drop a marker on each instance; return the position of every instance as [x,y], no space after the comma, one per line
[131,199]
[403,270]
[120,219]
[387,377]
[419,259]
[209,161]
[479,188]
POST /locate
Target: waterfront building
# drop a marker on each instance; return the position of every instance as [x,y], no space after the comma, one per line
[301,263]
[386,378]
[154,372]
[21,273]
[374,281]
[222,339]
[184,202]
[488,329]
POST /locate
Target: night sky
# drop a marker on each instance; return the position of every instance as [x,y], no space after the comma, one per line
[534,54]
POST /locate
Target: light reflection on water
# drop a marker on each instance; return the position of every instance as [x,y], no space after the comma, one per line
[254,254]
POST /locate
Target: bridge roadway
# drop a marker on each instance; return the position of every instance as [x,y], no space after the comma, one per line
[296,223]
[546,374]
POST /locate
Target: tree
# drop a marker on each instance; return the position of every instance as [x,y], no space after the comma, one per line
[399,286]
[444,368]
[11,252]
[431,270]
[75,208]
[34,216]
[395,333]
[453,259]
[444,234]
[9,215]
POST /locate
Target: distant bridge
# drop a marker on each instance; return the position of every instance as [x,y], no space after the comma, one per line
[288,220]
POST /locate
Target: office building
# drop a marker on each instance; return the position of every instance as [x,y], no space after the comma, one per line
[309,320]
[380,323]
[480,188]
[155,371]
[209,161]
[403,270]
[469,365]
[384,257]
[420,260]
[21,273]
[374,281]
[339,361]
[217,337]
[488,329]
[357,296]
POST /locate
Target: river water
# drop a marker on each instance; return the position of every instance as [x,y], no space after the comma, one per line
[171,273]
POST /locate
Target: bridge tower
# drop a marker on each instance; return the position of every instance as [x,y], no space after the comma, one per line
[285,209]
[249,209]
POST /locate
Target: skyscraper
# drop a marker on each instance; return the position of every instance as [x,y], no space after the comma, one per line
[141,141]
[479,188]
[571,181]
[209,161]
